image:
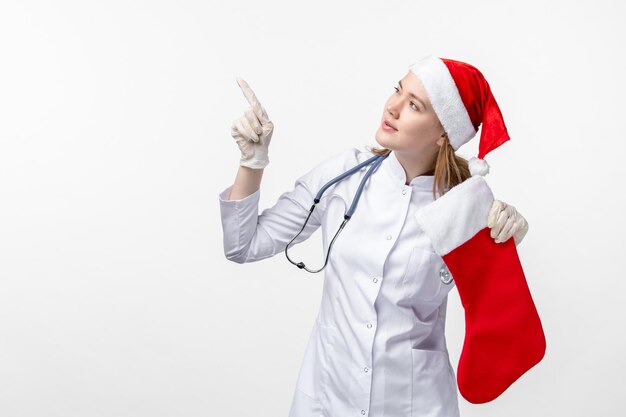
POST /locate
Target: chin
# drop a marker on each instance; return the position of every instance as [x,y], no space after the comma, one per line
[382,140]
[377,136]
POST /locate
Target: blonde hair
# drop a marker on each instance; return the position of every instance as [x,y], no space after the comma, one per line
[450,169]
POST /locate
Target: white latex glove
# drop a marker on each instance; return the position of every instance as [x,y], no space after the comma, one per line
[505,221]
[252,132]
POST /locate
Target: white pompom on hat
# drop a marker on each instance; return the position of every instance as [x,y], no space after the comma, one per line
[462,100]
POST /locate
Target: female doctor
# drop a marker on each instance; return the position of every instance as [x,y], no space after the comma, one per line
[378,346]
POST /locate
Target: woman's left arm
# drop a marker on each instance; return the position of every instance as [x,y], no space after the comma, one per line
[505,221]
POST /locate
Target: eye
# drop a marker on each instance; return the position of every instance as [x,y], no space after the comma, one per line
[397,90]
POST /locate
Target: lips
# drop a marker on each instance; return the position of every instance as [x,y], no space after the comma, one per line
[390,125]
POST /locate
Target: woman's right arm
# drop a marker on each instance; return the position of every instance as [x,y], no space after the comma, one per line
[248,236]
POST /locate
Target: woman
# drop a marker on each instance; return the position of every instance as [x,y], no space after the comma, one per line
[378,345]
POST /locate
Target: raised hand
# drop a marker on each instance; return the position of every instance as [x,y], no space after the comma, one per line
[252,132]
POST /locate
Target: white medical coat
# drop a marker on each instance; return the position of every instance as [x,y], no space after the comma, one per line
[378,346]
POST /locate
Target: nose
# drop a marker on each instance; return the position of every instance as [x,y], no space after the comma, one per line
[392,107]
[392,111]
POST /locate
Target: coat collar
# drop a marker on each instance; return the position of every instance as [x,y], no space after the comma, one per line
[394,167]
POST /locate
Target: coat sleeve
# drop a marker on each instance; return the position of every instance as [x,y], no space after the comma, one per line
[251,237]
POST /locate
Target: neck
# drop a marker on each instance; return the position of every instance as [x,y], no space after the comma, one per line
[415,167]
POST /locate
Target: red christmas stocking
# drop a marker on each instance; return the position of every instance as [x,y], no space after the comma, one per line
[503,333]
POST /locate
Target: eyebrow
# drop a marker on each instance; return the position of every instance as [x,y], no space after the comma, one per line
[414,96]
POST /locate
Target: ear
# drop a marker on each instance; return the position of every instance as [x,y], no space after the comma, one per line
[441,139]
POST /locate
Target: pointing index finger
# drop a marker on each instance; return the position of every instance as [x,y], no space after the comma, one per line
[258,109]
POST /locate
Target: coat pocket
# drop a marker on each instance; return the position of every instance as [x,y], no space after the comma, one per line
[313,376]
[434,391]
[422,275]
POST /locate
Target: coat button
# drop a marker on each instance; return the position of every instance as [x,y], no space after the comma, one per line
[366,369]
[363,412]
[388,237]
[375,280]
[369,325]
[403,191]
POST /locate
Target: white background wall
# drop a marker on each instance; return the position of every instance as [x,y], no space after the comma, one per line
[115,295]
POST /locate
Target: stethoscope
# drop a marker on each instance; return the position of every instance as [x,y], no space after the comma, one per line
[375,161]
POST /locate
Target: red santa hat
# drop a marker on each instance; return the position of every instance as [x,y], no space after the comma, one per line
[462,100]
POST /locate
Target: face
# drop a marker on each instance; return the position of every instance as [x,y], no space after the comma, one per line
[418,134]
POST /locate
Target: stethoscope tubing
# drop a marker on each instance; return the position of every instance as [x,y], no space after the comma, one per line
[375,161]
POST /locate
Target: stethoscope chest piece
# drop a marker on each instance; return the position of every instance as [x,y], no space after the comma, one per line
[445,275]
